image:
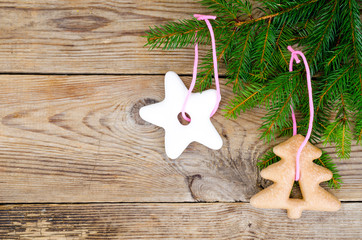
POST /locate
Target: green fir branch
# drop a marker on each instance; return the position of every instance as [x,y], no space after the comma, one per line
[176,34]
[206,68]
[244,7]
[332,85]
[339,131]
[278,96]
[247,98]
[240,62]
[356,30]
[358,117]
[293,7]
[326,161]
[268,159]
[319,41]
[222,8]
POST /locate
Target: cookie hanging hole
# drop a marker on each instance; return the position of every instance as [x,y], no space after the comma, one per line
[182,120]
[296,193]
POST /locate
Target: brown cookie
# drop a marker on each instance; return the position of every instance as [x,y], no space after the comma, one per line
[282,174]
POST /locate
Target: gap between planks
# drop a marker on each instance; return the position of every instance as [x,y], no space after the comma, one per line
[144,203]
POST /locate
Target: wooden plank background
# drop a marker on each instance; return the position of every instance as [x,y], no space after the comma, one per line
[77,162]
[87,36]
[174,220]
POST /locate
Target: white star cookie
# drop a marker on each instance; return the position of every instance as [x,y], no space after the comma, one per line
[199,107]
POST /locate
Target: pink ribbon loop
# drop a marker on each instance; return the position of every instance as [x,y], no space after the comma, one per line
[204,17]
[311,107]
[194,74]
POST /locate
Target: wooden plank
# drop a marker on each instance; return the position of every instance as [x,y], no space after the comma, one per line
[80,139]
[89,36]
[173,221]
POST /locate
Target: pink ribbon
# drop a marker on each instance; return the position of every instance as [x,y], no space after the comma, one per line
[311,107]
[194,74]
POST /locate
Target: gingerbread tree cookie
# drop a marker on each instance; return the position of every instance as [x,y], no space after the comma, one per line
[282,174]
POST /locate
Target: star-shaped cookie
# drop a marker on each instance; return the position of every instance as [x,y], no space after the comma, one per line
[165,114]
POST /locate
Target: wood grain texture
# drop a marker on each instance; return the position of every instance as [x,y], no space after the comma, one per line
[174,221]
[80,139]
[91,36]
[87,36]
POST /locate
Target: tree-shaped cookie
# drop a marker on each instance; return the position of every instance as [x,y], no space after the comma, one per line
[282,174]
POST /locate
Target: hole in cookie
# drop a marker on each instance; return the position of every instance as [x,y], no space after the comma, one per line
[296,193]
[182,120]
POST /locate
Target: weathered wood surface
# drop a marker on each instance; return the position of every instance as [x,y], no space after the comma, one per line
[80,139]
[174,221]
[86,36]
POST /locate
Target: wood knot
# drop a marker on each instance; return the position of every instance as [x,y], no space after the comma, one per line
[135,115]
[81,23]
[190,180]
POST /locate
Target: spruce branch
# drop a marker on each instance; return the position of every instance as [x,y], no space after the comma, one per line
[339,131]
[206,68]
[240,59]
[355,30]
[319,41]
[358,116]
[265,41]
[267,159]
[176,34]
[272,5]
[222,8]
[326,161]
[358,127]
[183,33]
[279,108]
[244,7]
[247,98]
[331,87]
